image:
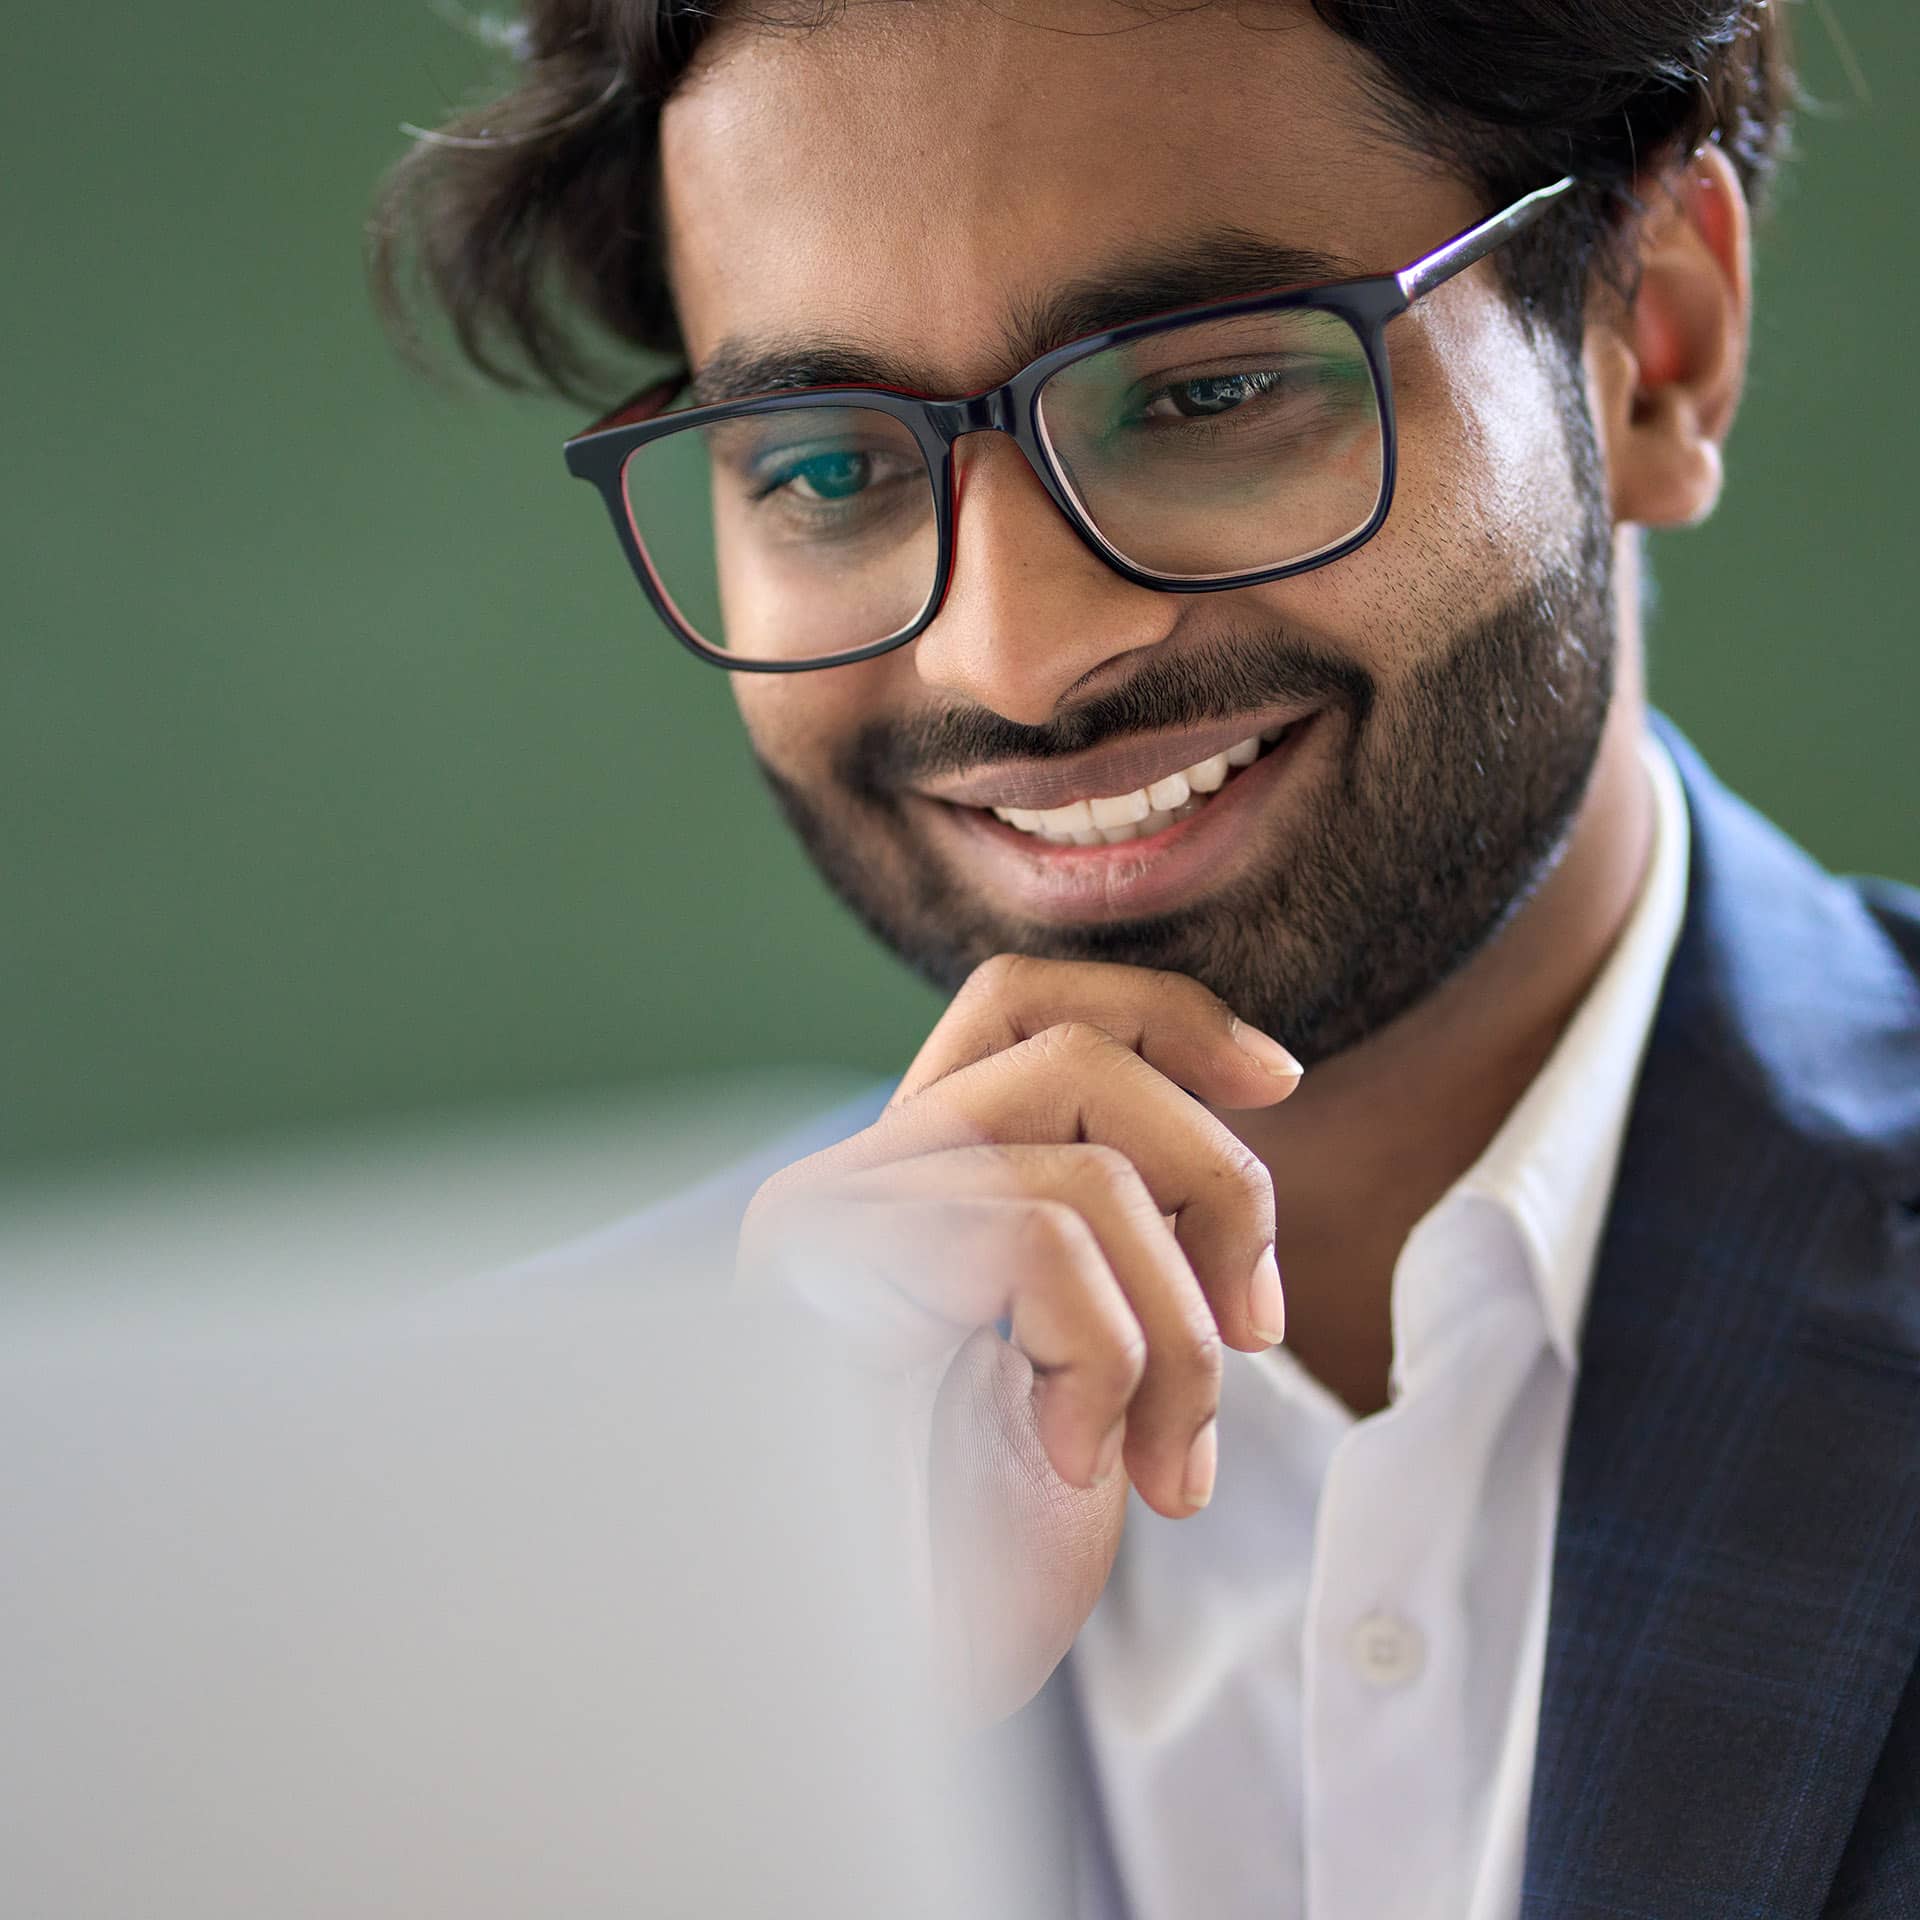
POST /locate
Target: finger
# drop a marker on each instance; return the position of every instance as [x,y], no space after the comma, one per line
[1075,1084]
[912,1268]
[1017,1559]
[1174,1023]
[1178,1392]
[1169,1387]
[970,1235]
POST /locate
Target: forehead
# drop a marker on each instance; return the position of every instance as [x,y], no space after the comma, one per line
[909,173]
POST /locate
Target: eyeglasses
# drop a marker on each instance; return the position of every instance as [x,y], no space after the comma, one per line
[1217,447]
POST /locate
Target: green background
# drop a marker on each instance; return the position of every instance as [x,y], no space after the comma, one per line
[336,777]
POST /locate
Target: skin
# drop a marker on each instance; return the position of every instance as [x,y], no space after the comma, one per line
[1099,1150]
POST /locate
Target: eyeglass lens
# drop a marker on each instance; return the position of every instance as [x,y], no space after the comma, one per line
[792,535]
[1226,447]
[1222,448]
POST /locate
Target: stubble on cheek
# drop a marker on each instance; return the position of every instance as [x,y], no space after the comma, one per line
[1443,803]
[889,875]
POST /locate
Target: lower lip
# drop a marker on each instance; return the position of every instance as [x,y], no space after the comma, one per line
[1156,875]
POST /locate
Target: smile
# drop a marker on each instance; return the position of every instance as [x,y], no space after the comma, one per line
[1111,820]
[1153,849]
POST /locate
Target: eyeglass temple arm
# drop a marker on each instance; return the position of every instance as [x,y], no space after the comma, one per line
[1477,242]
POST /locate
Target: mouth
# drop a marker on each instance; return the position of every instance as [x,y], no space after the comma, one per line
[1113,820]
[1152,850]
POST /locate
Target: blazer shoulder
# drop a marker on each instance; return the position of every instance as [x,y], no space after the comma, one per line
[1799,988]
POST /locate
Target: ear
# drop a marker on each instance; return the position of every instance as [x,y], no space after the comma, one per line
[1665,369]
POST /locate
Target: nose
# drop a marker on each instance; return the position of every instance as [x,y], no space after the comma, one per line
[1030,613]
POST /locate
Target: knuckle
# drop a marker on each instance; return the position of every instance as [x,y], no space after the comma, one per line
[1072,1041]
[1113,1184]
[1203,1354]
[1182,993]
[1117,1365]
[1103,1166]
[992,978]
[1005,1164]
[1240,1173]
[1052,1236]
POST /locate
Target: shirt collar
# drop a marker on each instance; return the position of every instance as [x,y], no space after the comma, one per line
[1550,1168]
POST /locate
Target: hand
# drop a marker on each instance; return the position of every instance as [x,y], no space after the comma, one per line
[1041,1164]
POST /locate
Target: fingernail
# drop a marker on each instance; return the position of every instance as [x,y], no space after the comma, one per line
[1266,1304]
[1202,1457]
[1269,1053]
[1108,1457]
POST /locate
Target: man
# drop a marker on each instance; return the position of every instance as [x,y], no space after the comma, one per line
[1170,486]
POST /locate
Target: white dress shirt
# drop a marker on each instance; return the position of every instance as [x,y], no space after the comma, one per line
[1320,1696]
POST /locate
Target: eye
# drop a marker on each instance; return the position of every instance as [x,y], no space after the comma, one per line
[1210,395]
[826,476]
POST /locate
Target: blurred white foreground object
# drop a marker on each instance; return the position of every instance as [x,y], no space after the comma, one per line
[485,1608]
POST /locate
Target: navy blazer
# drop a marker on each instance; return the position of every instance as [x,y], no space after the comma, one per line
[1730,1712]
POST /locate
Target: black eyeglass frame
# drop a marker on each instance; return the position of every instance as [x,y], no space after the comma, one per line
[600,454]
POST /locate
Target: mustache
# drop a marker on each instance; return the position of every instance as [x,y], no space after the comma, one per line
[1237,674]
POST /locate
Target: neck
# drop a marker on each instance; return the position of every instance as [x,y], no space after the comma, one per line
[1374,1137]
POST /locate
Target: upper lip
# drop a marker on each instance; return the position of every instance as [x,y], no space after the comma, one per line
[1101,772]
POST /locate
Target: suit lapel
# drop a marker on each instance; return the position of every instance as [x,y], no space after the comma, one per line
[1736,1580]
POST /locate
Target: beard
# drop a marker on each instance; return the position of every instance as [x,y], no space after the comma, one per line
[1452,798]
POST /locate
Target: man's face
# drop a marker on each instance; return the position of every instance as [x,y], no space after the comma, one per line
[912,182]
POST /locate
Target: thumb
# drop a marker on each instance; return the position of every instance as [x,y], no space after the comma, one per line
[1018,1555]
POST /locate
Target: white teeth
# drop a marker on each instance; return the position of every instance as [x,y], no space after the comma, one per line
[1125,811]
[1209,776]
[1077,818]
[1113,819]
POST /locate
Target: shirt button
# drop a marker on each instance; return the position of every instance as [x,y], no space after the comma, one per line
[1386,1650]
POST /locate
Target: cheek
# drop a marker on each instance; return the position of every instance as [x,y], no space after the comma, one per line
[1484,501]
[799,722]
[1485,446]
[773,723]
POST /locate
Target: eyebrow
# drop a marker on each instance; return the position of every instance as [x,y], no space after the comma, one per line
[1221,264]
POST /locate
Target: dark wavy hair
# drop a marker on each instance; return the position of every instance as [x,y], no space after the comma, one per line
[524,216]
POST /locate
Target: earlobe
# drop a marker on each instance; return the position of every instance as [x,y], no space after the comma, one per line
[1665,372]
